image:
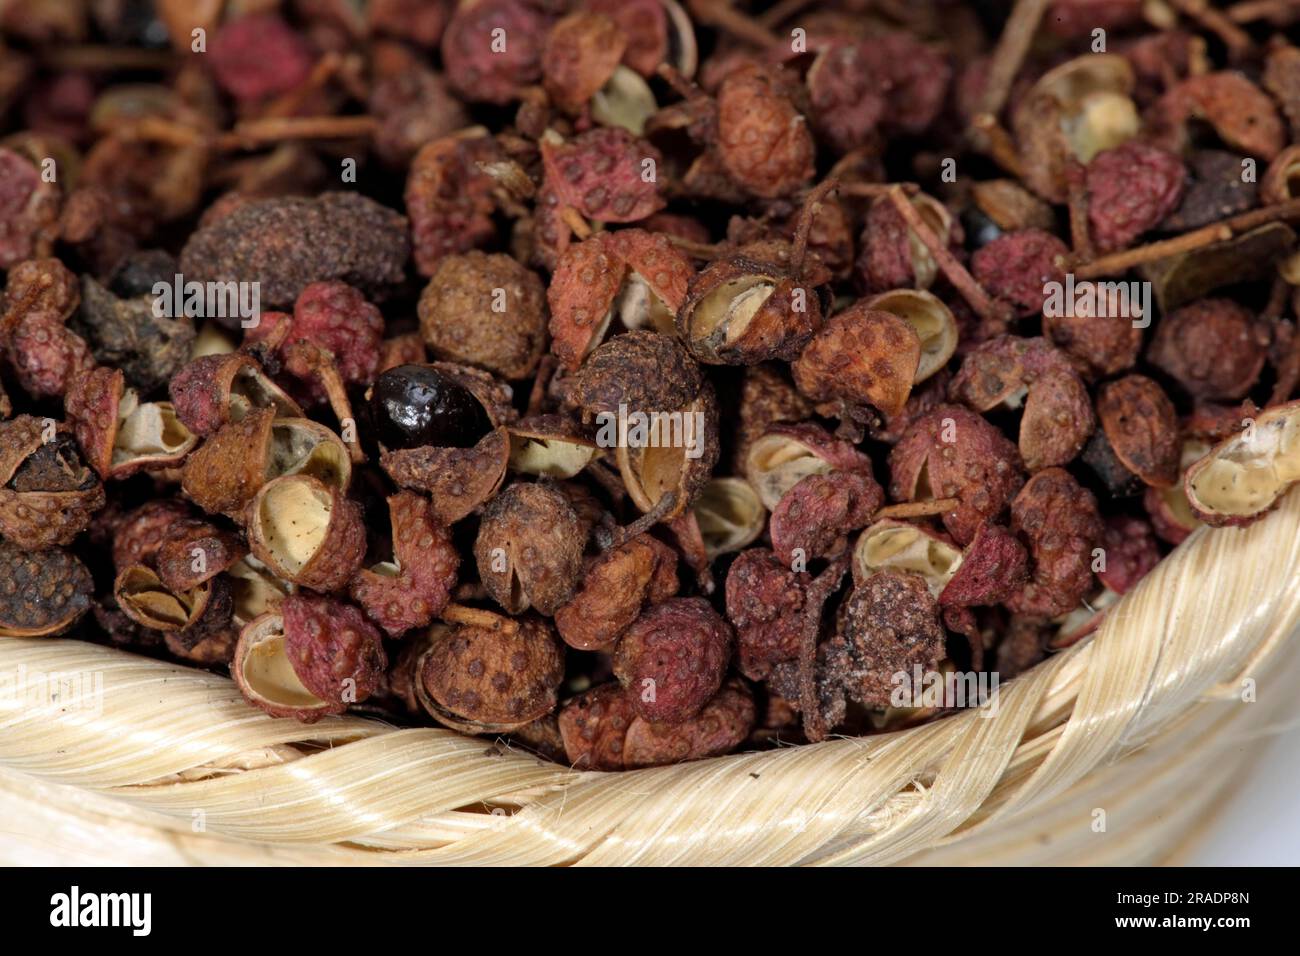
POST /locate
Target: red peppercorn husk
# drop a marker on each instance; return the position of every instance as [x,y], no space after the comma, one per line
[1059,521]
[606,175]
[216,389]
[813,518]
[765,604]
[449,198]
[1131,188]
[615,587]
[412,589]
[672,659]
[1214,348]
[492,49]
[119,434]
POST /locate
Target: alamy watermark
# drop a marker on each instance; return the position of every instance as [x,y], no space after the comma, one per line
[626,429]
[209,300]
[81,691]
[945,689]
[1101,300]
[75,908]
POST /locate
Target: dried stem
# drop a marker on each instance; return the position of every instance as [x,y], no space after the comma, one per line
[577,225]
[991,138]
[537,395]
[308,357]
[1080,240]
[1277,11]
[917,509]
[108,58]
[705,251]
[823,586]
[1237,41]
[627,532]
[803,226]
[1012,48]
[1125,259]
[725,17]
[875,190]
[251,134]
[478,617]
[681,85]
[979,300]
[291,102]
[686,529]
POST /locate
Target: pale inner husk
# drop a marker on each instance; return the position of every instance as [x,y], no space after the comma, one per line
[551,457]
[776,463]
[267,672]
[148,430]
[895,546]
[729,514]
[934,215]
[211,340]
[1248,474]
[625,100]
[255,589]
[1175,498]
[725,313]
[682,49]
[250,389]
[650,473]
[1103,120]
[299,448]
[932,321]
[295,518]
[638,306]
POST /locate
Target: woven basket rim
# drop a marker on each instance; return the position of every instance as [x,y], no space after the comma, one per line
[176,739]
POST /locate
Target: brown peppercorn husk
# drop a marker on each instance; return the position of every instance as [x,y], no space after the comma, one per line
[485,679]
[287,243]
[861,357]
[615,587]
[766,399]
[641,370]
[262,669]
[215,390]
[485,310]
[307,532]
[42,593]
[194,552]
[47,494]
[127,334]
[458,480]
[1141,428]
[784,454]
[529,548]
[143,597]
[1059,521]
[119,434]
[228,469]
[677,467]
[890,624]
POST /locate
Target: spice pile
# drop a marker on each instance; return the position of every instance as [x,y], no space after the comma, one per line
[640,381]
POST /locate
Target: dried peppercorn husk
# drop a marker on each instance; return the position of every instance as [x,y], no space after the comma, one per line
[894,545]
[1168,508]
[307,532]
[640,371]
[285,244]
[450,198]
[47,494]
[951,452]
[1242,477]
[264,672]
[126,333]
[1074,111]
[785,454]
[601,175]
[196,551]
[814,518]
[615,587]
[861,357]
[516,680]
[766,399]
[679,466]
[741,310]
[227,470]
[28,209]
[730,516]
[763,140]
[672,659]
[529,548]
[1007,372]
[892,256]
[1141,428]
[487,311]
[1059,521]
[890,623]
[42,593]
[213,390]
[119,434]
[142,596]
[1214,348]
[551,446]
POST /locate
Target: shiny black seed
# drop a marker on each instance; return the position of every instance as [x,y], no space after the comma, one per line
[413,406]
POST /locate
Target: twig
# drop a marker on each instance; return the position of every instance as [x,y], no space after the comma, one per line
[1080,240]
[1125,259]
[725,17]
[108,58]
[477,617]
[577,225]
[1237,41]
[1011,50]
[823,586]
[686,529]
[991,138]
[803,226]
[1277,11]
[985,307]
[917,509]
[696,250]
[875,190]
[781,11]
[253,133]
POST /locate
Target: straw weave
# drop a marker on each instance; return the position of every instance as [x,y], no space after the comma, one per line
[1143,727]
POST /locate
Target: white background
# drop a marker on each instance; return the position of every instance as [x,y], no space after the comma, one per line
[1260,825]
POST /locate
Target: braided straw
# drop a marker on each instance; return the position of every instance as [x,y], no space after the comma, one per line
[1110,752]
